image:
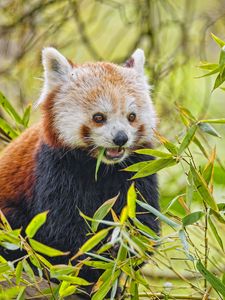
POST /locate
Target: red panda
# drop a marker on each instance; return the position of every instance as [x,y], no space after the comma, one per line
[51,166]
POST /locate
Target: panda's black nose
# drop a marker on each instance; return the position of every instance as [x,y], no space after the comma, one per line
[120,139]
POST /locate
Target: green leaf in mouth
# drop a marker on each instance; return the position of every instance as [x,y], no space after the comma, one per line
[99,159]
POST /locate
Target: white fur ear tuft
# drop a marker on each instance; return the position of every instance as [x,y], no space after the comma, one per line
[56,71]
[56,66]
[136,61]
[139,60]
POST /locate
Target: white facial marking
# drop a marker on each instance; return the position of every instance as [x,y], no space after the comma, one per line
[139,60]
[56,71]
[89,89]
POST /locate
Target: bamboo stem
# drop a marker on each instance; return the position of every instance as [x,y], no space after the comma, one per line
[206,244]
[155,296]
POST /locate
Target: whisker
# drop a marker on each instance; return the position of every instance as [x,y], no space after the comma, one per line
[123,164]
[92,149]
[66,152]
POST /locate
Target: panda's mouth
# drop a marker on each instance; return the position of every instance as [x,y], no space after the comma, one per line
[114,154]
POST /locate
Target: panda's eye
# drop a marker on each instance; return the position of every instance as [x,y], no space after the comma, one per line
[131,117]
[99,118]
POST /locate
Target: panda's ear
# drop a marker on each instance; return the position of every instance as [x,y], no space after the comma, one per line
[56,67]
[56,71]
[137,61]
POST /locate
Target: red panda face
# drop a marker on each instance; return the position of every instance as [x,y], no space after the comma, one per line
[97,105]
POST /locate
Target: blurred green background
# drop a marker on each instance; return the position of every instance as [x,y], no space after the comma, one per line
[175,35]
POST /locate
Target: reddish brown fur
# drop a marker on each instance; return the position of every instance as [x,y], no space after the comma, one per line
[49,132]
[85,133]
[115,77]
[141,130]
[17,163]
[140,133]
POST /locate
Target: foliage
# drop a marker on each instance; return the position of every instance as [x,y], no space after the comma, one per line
[125,244]
[11,129]
[188,260]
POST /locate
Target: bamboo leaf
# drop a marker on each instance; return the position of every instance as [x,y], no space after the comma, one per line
[115,235]
[124,215]
[44,261]
[140,245]
[108,281]
[99,264]
[188,138]
[10,238]
[58,270]
[99,159]
[220,42]
[154,166]
[132,243]
[215,282]
[131,201]
[207,128]
[105,247]
[4,223]
[70,290]
[97,221]
[3,260]
[223,278]
[73,279]
[169,145]
[4,268]
[134,290]
[35,224]
[153,152]
[49,251]
[209,169]
[114,216]
[217,215]
[137,167]
[215,233]
[159,215]
[174,200]
[92,242]
[63,286]
[11,293]
[203,190]
[219,80]
[139,278]
[134,275]
[26,115]
[9,109]
[28,270]
[21,295]
[114,290]
[145,229]
[34,261]
[200,146]
[185,244]
[122,254]
[8,129]
[222,57]
[207,66]
[213,121]
[102,211]
[102,279]
[221,206]
[96,256]
[10,246]
[216,70]
[192,218]
[185,112]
